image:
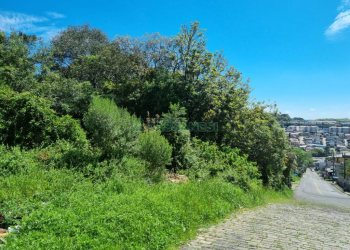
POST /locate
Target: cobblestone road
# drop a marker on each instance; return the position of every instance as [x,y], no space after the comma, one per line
[279,226]
[321,222]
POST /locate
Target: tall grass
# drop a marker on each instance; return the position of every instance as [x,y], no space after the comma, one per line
[58,209]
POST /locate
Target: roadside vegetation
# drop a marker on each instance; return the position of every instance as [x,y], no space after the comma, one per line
[130,143]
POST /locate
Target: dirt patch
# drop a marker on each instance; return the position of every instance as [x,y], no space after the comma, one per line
[177,178]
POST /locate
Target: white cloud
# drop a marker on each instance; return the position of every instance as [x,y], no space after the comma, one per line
[40,25]
[55,15]
[342,20]
[345,4]
[312,109]
[10,21]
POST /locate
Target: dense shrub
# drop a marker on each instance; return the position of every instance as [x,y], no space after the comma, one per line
[68,96]
[127,168]
[173,126]
[111,128]
[27,120]
[15,161]
[64,154]
[156,150]
[208,161]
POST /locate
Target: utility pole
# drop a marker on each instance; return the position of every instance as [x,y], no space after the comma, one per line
[344,159]
[333,164]
[333,153]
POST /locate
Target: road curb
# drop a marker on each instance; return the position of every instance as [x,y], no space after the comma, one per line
[338,187]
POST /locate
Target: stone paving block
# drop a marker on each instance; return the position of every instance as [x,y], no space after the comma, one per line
[279,226]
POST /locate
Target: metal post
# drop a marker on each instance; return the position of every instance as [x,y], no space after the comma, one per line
[333,166]
[344,167]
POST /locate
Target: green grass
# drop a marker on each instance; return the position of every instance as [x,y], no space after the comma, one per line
[59,209]
[296,179]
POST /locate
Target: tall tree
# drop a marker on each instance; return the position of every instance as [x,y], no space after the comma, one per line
[17,67]
[76,42]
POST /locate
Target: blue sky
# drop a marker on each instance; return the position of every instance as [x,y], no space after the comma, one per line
[296,53]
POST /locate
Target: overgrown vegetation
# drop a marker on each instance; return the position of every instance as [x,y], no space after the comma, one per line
[62,209]
[89,129]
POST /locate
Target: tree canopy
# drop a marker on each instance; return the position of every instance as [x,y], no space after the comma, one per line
[176,79]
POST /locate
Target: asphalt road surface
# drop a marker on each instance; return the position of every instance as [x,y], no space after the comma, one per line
[314,189]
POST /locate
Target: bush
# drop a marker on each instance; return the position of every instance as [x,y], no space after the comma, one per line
[64,154]
[111,128]
[208,161]
[27,120]
[155,149]
[127,168]
[14,161]
[68,96]
[173,126]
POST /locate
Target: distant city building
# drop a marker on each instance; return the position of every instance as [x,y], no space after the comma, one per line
[304,129]
[310,135]
[339,130]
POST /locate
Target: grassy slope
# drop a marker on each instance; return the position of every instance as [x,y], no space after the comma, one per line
[61,210]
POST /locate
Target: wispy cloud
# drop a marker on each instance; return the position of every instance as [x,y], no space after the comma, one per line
[43,26]
[345,4]
[55,15]
[342,20]
[312,109]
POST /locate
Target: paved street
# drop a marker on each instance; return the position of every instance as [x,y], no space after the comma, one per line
[314,189]
[320,221]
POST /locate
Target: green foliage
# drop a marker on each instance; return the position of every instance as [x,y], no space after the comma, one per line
[208,161]
[111,128]
[76,42]
[68,96]
[259,135]
[59,210]
[65,194]
[112,70]
[64,154]
[129,168]
[283,118]
[15,161]
[156,151]
[24,192]
[147,75]
[303,159]
[16,66]
[173,127]
[27,120]
[113,171]
[318,152]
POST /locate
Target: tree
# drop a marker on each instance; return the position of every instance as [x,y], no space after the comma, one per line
[28,121]
[258,134]
[173,126]
[318,152]
[16,65]
[76,42]
[68,96]
[303,159]
[111,128]
[284,118]
[155,149]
